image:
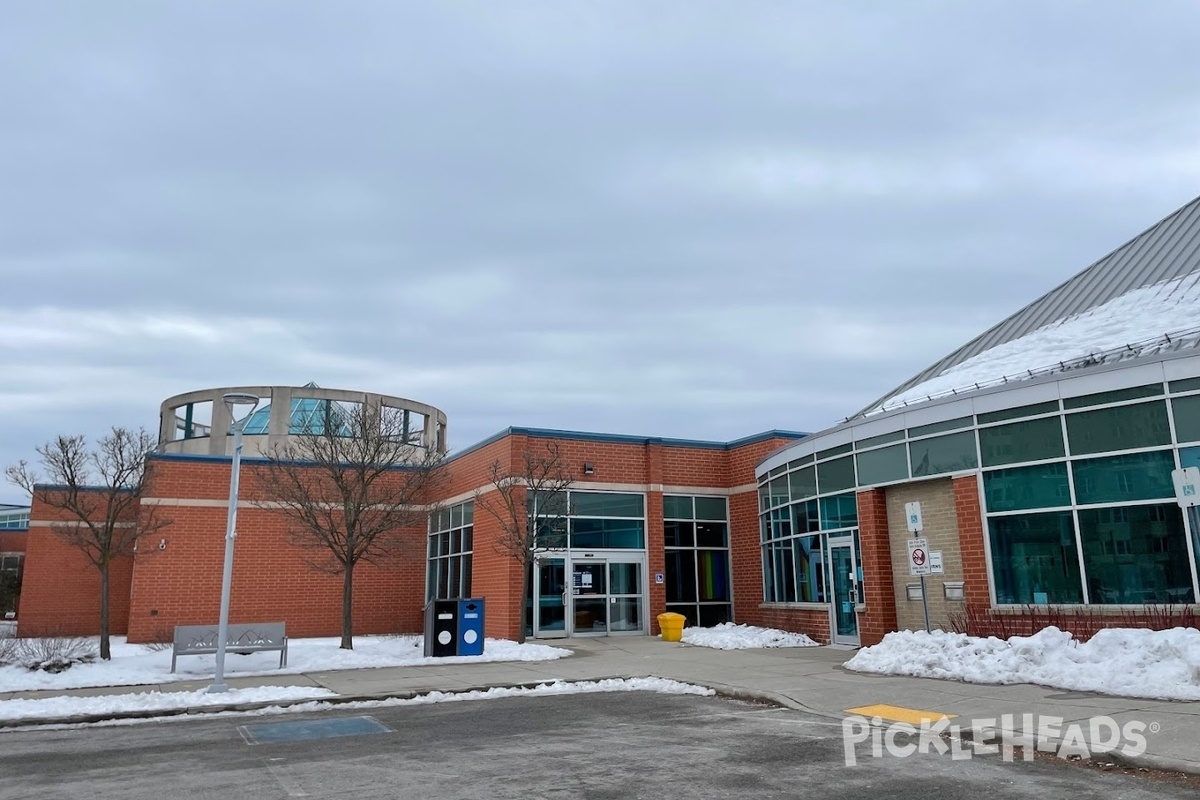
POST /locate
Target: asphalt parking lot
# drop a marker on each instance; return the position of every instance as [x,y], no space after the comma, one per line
[627,745]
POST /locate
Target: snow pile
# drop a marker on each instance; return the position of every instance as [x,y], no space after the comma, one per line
[66,706]
[1129,662]
[728,636]
[1133,317]
[133,664]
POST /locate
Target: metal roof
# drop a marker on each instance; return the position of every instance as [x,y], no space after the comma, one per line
[1169,249]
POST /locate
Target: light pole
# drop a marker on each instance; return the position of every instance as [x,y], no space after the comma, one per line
[232,401]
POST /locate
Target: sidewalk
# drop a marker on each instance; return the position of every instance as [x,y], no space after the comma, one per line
[808,679]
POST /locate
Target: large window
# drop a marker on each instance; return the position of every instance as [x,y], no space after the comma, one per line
[696,537]
[1034,558]
[607,520]
[1136,554]
[1119,428]
[451,535]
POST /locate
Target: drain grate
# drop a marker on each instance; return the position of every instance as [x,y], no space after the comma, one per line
[304,730]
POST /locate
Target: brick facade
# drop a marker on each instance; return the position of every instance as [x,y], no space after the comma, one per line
[940,529]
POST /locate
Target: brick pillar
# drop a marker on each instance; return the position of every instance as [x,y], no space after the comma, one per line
[656,559]
[970,538]
[879,618]
[745,555]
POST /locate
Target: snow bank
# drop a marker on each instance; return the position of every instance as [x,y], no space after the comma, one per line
[66,706]
[1136,316]
[1120,661]
[133,665]
[728,636]
[658,685]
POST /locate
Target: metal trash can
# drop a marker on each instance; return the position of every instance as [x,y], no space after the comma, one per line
[470,626]
[441,628]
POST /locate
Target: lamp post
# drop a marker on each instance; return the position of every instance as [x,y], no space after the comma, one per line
[232,401]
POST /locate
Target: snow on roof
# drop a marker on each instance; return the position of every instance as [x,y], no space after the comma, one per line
[1167,311]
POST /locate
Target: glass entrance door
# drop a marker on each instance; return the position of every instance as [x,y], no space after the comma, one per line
[550,597]
[589,596]
[845,593]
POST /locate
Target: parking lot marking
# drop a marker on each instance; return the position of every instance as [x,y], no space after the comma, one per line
[913,716]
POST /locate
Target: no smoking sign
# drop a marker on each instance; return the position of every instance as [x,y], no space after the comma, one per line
[918,556]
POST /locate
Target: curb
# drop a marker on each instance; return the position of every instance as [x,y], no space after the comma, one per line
[335,700]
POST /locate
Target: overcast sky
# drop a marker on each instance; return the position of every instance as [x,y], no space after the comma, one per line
[691,219]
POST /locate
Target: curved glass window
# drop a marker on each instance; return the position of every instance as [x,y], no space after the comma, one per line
[1034,559]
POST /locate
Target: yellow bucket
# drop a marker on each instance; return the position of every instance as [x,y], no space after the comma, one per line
[672,626]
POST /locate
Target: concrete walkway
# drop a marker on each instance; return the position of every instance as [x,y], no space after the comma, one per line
[807,679]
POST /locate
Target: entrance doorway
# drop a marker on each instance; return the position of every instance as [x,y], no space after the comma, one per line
[844,580]
[590,594]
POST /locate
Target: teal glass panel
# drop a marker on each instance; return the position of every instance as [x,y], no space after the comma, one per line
[605,504]
[1187,418]
[883,438]
[944,454]
[839,512]
[1115,396]
[883,465]
[1018,412]
[1119,428]
[1116,479]
[803,483]
[1185,385]
[713,508]
[834,451]
[1136,554]
[764,498]
[807,516]
[1035,440]
[939,427]
[781,523]
[1189,457]
[601,533]
[836,476]
[676,507]
[778,491]
[1016,488]
[1034,560]
[809,560]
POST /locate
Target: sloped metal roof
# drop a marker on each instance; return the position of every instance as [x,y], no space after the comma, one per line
[1169,249]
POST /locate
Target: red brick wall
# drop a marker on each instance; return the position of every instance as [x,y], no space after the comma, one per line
[879,618]
[811,621]
[178,569]
[970,538]
[13,541]
[60,589]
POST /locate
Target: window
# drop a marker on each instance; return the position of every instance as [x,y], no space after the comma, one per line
[1039,486]
[883,465]
[696,536]
[803,483]
[943,454]
[1115,479]
[451,540]
[1135,554]
[839,512]
[1034,560]
[1187,418]
[836,476]
[1115,396]
[606,504]
[1035,440]
[810,568]
[1119,428]
[1050,406]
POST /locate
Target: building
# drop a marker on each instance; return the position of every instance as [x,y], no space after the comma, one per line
[14,530]
[1040,454]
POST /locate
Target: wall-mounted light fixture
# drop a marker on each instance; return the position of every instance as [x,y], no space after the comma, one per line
[588,468]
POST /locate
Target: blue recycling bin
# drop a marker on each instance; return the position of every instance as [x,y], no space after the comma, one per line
[470,626]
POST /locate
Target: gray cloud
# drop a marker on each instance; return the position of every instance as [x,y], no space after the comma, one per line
[685,219]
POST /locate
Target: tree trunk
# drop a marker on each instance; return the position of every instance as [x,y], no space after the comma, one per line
[105,649]
[348,607]
[526,584]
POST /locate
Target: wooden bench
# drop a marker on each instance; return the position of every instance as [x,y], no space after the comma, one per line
[199,640]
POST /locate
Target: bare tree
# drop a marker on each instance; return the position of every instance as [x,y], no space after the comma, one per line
[530,505]
[97,494]
[351,487]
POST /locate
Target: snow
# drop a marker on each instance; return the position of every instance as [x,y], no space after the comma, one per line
[1127,662]
[728,636]
[65,705]
[658,685]
[133,664]
[1142,314]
